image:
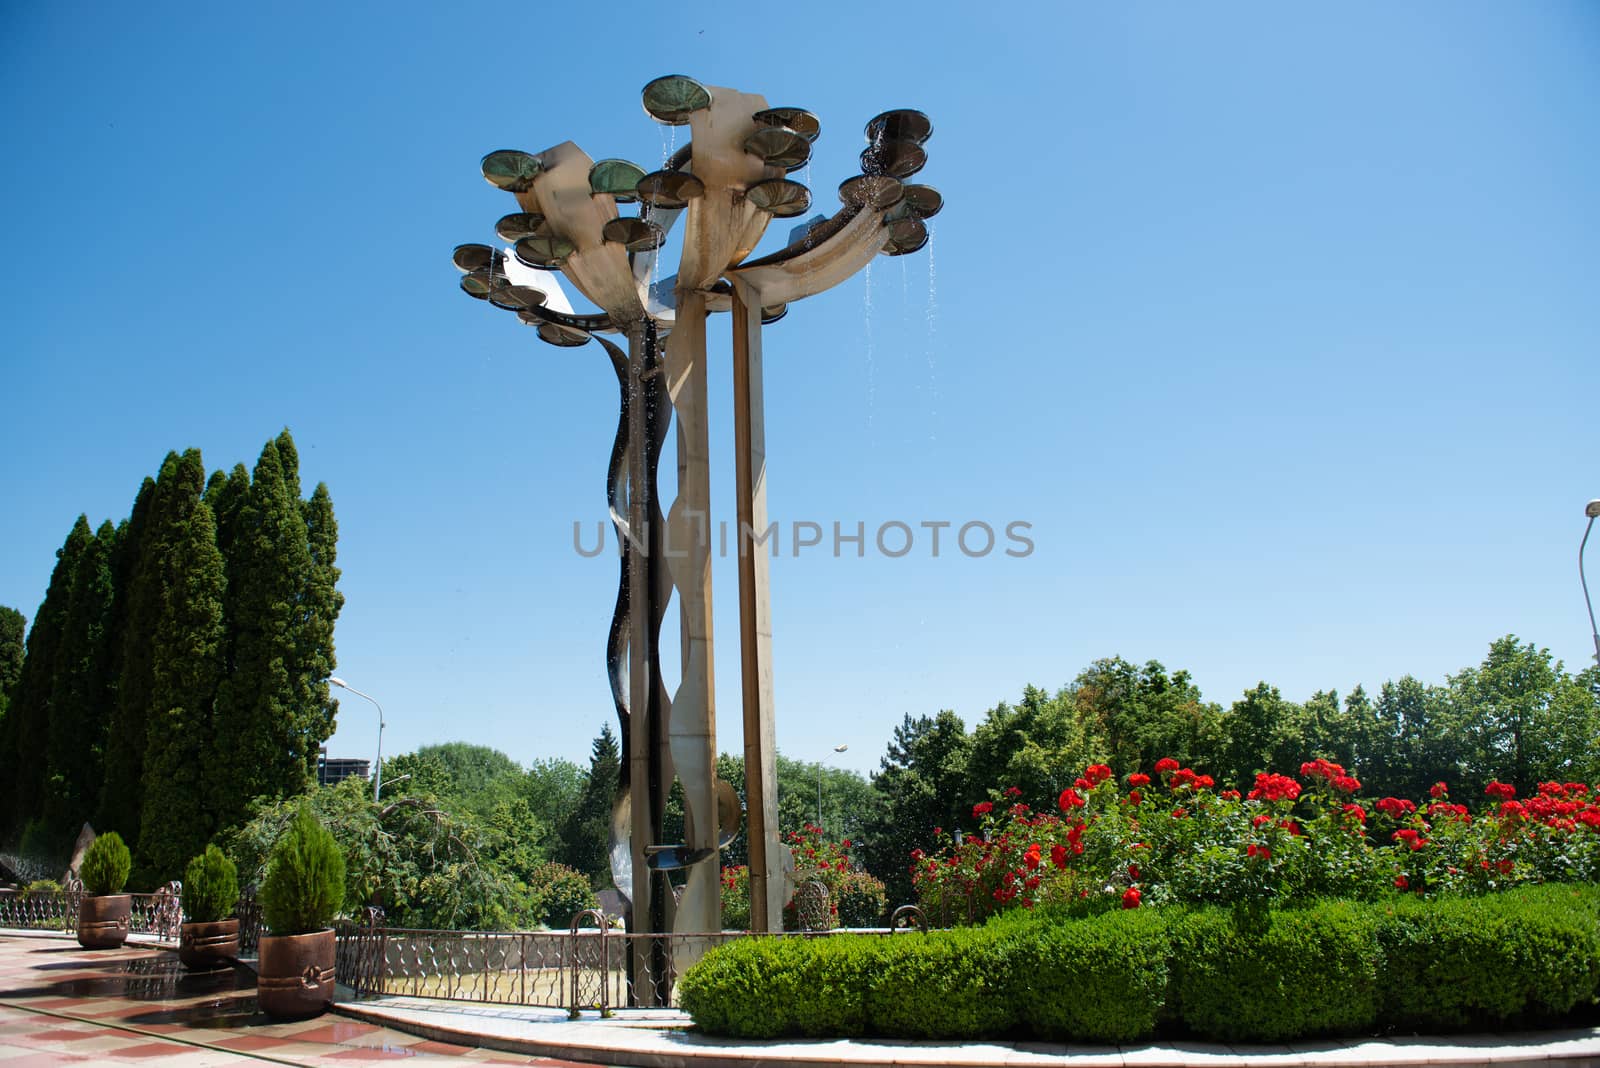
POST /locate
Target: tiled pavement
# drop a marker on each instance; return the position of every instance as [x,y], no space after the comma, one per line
[60,1004]
[64,1005]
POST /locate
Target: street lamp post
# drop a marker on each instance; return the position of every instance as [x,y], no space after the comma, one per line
[836,749]
[377,775]
[1592,510]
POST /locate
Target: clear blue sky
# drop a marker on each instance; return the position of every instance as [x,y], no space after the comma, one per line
[1279,326]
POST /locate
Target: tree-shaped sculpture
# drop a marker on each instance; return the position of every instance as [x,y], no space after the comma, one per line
[727,184]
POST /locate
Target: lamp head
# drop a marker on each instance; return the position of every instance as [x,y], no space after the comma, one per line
[1592,509]
[337,681]
[842,748]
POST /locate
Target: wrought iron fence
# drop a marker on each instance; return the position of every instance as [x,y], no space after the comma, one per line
[157,914]
[583,968]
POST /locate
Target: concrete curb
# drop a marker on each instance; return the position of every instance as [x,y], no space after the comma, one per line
[663,1041]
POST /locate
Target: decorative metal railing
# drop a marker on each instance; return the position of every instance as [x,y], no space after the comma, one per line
[158,914]
[583,968]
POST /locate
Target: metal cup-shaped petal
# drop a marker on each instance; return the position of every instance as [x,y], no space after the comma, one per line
[519,224]
[480,283]
[475,257]
[511,170]
[635,235]
[799,120]
[516,298]
[898,159]
[562,336]
[672,98]
[617,177]
[901,124]
[779,146]
[670,189]
[543,251]
[923,201]
[780,196]
[872,191]
[905,236]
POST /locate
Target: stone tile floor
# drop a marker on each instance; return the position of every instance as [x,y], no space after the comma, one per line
[63,1005]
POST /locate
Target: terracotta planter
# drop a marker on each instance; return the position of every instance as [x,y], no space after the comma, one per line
[103,920]
[294,974]
[206,946]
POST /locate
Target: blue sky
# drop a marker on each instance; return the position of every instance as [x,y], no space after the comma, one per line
[1278,326]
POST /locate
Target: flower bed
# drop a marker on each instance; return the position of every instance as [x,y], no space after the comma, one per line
[1173,837]
[1524,957]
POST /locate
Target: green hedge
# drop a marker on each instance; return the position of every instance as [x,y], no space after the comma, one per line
[1523,957]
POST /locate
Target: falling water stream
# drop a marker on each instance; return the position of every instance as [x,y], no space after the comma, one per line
[866,290]
[933,318]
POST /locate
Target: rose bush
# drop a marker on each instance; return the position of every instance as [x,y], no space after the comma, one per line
[1173,837]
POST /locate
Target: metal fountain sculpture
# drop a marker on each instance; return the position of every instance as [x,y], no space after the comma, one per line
[726,186]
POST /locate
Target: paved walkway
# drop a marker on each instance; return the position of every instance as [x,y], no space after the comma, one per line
[63,1005]
[60,1004]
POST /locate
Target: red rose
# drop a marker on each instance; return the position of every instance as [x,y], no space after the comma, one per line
[1058,856]
[1502,790]
[1097,774]
[1138,779]
[1438,790]
[1400,883]
[1069,800]
[1130,898]
[982,808]
[1165,765]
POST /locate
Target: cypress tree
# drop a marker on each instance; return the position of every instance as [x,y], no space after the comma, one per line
[225,493]
[177,816]
[261,724]
[13,630]
[585,839]
[320,603]
[76,734]
[168,506]
[37,683]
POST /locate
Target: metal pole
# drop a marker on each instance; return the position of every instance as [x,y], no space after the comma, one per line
[1592,511]
[377,775]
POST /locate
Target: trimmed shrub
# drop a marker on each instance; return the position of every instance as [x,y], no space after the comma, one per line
[1255,974]
[768,987]
[304,884]
[1521,955]
[210,887]
[946,984]
[40,888]
[559,893]
[106,864]
[1271,975]
[1099,980]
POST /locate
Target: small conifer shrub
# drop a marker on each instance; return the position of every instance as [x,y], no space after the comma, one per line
[106,864]
[304,884]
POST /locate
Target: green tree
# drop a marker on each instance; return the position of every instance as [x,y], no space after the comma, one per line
[1134,716]
[586,834]
[35,687]
[13,632]
[1260,728]
[1037,746]
[83,691]
[1528,720]
[159,509]
[921,785]
[179,814]
[273,709]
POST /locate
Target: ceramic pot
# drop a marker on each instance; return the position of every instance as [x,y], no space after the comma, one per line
[294,974]
[103,920]
[205,947]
